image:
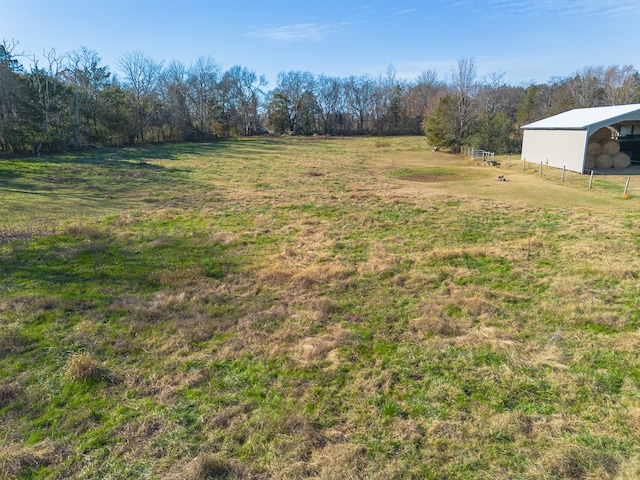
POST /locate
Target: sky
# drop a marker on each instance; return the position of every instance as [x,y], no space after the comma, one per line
[525,41]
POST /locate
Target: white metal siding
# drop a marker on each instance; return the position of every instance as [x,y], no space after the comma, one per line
[556,148]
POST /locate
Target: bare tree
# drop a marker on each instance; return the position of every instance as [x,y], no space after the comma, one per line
[173,94]
[359,96]
[202,82]
[87,79]
[141,76]
[426,86]
[331,101]
[245,90]
[586,87]
[621,85]
[295,96]
[464,86]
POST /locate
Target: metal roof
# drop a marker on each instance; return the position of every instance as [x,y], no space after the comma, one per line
[583,118]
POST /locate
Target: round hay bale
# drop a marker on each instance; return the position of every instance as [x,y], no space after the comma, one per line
[590,162]
[620,160]
[594,148]
[611,147]
[601,134]
[604,161]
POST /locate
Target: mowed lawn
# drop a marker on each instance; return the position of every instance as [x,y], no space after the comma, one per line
[327,308]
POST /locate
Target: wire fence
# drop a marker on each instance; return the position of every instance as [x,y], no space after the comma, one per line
[618,181]
[479,154]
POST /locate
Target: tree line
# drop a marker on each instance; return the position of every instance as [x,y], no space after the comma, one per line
[73,101]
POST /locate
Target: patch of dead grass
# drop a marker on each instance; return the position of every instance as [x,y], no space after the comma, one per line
[315,350]
[493,337]
[82,367]
[338,461]
[134,437]
[572,461]
[16,461]
[8,392]
[214,466]
[551,356]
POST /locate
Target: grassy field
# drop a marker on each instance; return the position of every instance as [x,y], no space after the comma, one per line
[314,308]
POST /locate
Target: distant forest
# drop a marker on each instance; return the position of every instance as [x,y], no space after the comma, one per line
[73,102]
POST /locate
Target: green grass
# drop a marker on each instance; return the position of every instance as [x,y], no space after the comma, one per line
[314,308]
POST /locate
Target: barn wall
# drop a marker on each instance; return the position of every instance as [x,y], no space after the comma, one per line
[556,148]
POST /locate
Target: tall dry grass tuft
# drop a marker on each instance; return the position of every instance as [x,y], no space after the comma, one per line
[8,392]
[435,321]
[16,461]
[215,467]
[513,425]
[338,461]
[324,348]
[572,461]
[135,436]
[11,340]
[83,367]
[628,469]
[550,356]
[495,338]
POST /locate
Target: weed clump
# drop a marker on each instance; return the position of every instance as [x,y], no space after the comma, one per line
[8,392]
[17,461]
[11,341]
[81,367]
[210,467]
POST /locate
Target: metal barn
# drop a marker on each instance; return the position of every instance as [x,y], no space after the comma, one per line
[580,140]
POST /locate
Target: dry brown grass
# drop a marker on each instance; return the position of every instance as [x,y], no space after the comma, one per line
[214,467]
[83,367]
[17,461]
[338,461]
[8,392]
[11,340]
[571,461]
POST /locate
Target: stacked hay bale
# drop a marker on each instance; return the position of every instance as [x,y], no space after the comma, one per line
[621,160]
[604,161]
[604,152]
[593,150]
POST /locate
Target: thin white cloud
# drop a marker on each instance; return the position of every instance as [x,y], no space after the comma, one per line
[571,8]
[404,12]
[297,32]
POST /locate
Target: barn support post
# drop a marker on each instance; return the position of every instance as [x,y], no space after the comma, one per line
[591,179]
[626,187]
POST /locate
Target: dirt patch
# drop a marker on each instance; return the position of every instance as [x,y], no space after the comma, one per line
[428,177]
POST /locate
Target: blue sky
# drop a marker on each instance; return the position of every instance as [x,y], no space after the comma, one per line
[528,41]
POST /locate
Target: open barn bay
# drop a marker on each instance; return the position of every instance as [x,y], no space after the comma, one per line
[314,308]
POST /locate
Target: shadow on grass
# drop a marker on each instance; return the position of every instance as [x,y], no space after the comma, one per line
[93,264]
[100,173]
